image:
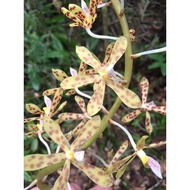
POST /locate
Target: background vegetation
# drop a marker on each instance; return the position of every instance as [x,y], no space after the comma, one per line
[49,43]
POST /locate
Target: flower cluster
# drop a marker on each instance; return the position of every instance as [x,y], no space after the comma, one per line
[73,145]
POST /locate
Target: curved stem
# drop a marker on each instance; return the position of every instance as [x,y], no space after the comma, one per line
[100,36]
[127,76]
[44,142]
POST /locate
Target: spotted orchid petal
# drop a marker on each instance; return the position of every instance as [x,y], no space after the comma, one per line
[127,96]
[159,109]
[86,132]
[92,8]
[78,81]
[60,107]
[148,124]
[119,152]
[144,86]
[155,167]
[78,128]
[80,101]
[114,167]
[56,99]
[95,103]
[90,72]
[54,131]
[61,182]
[34,109]
[123,168]
[118,50]
[37,161]
[129,117]
[82,68]
[69,116]
[96,174]
[86,56]
[59,74]
[156,144]
[79,156]
[71,15]
[70,92]
[31,119]
[49,92]
[108,53]
[141,143]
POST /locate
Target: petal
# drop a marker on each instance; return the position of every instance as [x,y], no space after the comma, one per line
[95,103]
[85,55]
[154,145]
[73,72]
[93,7]
[70,15]
[129,117]
[86,132]
[144,86]
[148,124]
[82,68]
[60,107]
[128,97]
[159,109]
[53,130]
[108,53]
[62,180]
[69,116]
[141,143]
[85,7]
[96,174]
[79,156]
[118,50]
[59,74]
[80,101]
[70,92]
[56,99]
[90,72]
[48,102]
[78,11]
[34,109]
[38,161]
[119,152]
[155,167]
[78,128]
[114,167]
[31,119]
[78,81]
[49,92]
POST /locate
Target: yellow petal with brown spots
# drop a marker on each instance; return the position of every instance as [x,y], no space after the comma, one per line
[86,132]
[37,161]
[96,174]
[85,55]
[118,50]
[155,145]
[96,101]
[59,74]
[54,131]
[31,119]
[128,97]
[34,109]
[80,101]
[130,116]
[61,182]
[148,124]
[108,53]
[49,92]
[144,86]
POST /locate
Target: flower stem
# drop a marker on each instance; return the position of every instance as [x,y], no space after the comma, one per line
[127,75]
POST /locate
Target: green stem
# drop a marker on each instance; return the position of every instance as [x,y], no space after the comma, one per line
[127,73]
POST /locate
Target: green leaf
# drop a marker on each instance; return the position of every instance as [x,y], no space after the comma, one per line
[154,65]
[34,145]
[27,177]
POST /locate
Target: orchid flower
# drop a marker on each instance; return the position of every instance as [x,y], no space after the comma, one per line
[104,75]
[148,162]
[145,106]
[70,155]
[76,116]
[49,110]
[85,16]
